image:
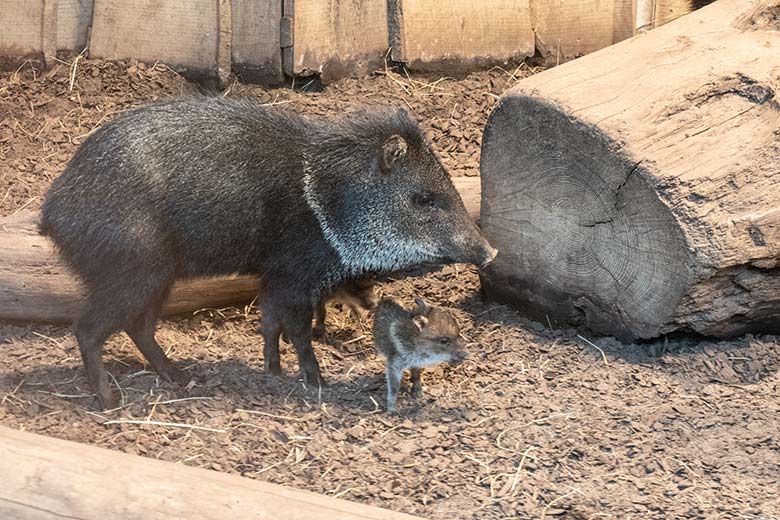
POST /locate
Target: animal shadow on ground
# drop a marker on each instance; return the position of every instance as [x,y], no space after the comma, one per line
[52,368]
[692,359]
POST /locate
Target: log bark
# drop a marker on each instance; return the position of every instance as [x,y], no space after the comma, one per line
[636,191]
[36,286]
[51,479]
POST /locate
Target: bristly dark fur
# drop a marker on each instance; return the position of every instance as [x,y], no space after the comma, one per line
[213,186]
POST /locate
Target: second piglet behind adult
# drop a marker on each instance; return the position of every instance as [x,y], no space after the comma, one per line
[413,340]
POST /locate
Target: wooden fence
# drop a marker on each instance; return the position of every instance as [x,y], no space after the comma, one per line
[266,40]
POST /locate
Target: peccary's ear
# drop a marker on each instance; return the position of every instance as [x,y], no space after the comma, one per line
[422,306]
[393,149]
[420,322]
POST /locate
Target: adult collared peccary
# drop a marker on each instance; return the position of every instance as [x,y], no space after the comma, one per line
[206,187]
[414,340]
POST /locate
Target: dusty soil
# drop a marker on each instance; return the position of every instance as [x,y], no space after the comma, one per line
[537,424]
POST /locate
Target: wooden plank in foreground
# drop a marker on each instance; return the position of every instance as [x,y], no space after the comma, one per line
[45,478]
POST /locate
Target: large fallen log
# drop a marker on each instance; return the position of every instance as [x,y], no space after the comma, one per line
[36,286]
[636,191]
[46,479]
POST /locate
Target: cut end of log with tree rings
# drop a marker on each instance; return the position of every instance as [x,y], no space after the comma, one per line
[636,191]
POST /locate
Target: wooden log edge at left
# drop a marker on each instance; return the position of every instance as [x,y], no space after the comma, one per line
[46,478]
[36,286]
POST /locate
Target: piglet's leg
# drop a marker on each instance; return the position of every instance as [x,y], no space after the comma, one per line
[416,374]
[394,373]
[319,320]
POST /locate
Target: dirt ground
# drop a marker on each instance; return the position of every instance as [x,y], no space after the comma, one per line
[536,424]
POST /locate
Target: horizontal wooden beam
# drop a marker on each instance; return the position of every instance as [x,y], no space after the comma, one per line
[35,285]
[45,479]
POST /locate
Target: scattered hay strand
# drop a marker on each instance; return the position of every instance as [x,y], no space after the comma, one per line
[526,454]
[166,424]
[274,416]
[20,208]
[573,491]
[342,493]
[526,425]
[170,401]
[154,407]
[603,356]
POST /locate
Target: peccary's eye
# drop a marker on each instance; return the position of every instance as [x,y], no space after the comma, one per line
[425,200]
[444,341]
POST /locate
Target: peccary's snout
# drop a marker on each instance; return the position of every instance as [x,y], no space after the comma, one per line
[481,253]
[460,354]
[488,253]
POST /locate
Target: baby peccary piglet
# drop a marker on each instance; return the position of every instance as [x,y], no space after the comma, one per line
[357,295]
[413,340]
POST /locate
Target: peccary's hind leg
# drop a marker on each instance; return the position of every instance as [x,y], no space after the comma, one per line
[141,331]
[91,333]
[100,319]
[129,299]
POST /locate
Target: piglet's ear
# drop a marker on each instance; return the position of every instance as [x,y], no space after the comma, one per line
[420,322]
[393,149]
[422,306]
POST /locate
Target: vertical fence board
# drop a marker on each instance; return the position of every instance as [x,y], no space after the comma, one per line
[667,10]
[567,29]
[623,20]
[460,32]
[20,27]
[338,37]
[181,34]
[256,48]
[74,17]
[49,31]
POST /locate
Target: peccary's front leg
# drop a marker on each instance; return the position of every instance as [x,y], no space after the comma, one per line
[297,324]
[394,372]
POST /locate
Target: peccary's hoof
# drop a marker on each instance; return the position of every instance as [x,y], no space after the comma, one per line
[312,377]
[318,332]
[173,375]
[417,392]
[273,368]
[106,401]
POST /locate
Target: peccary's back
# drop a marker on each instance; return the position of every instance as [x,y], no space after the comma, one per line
[205,184]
